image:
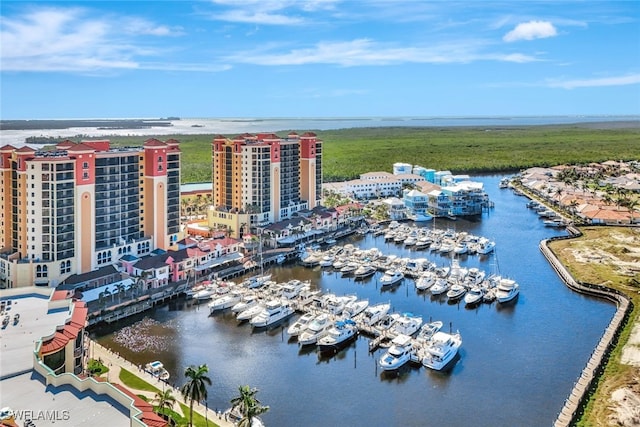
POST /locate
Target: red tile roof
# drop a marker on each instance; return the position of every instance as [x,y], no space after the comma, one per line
[69,331]
[152,142]
[149,417]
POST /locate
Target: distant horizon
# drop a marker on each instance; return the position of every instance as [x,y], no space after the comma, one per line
[333,118]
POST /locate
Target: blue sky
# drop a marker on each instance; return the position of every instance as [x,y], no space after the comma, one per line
[318,58]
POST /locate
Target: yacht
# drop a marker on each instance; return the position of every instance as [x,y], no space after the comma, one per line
[475,276]
[338,335]
[256,281]
[364,271]
[374,313]
[205,293]
[293,287]
[474,295]
[426,280]
[506,290]
[250,312]
[316,329]
[335,305]
[398,354]
[423,242]
[300,324]
[460,248]
[427,331]
[440,287]
[407,324]
[353,308]
[349,268]
[157,369]
[441,350]
[456,291]
[485,246]
[327,261]
[248,301]
[274,311]
[391,277]
[281,258]
[225,301]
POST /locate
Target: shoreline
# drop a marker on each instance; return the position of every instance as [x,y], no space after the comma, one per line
[115,363]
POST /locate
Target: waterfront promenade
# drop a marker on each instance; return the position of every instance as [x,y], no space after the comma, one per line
[115,363]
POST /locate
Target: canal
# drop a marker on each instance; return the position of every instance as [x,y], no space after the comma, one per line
[517,363]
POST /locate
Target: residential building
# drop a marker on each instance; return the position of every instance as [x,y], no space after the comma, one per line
[261,179]
[84,205]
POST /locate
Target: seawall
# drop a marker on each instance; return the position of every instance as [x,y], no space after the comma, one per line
[573,406]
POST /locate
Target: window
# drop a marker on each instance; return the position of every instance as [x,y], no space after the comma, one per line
[85,165]
[85,175]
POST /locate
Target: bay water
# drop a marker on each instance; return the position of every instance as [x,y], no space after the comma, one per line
[517,365]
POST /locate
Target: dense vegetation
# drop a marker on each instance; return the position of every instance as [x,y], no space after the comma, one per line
[350,152]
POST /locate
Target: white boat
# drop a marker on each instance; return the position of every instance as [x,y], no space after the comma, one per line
[247,301]
[475,276]
[338,335]
[398,354]
[423,242]
[300,324]
[157,369]
[440,287]
[280,259]
[474,295]
[391,277]
[407,324]
[441,350]
[374,313]
[485,246]
[293,287]
[349,268]
[335,305]
[427,331]
[456,291]
[251,312]
[506,290]
[256,281]
[426,280]
[353,308]
[205,293]
[316,329]
[327,261]
[306,296]
[410,241]
[364,271]
[274,311]
[225,301]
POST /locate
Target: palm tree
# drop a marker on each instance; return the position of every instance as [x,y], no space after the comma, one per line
[164,399]
[195,388]
[247,405]
[120,288]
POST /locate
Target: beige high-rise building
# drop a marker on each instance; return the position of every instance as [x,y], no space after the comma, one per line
[263,178]
[84,205]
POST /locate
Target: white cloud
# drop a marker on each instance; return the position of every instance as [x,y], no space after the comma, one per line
[367,52]
[52,39]
[629,79]
[531,30]
[269,12]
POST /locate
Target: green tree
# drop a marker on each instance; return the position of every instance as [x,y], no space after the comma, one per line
[195,389]
[164,400]
[247,405]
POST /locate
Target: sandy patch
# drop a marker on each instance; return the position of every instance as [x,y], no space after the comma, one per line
[626,408]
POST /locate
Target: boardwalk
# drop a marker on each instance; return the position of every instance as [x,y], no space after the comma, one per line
[115,363]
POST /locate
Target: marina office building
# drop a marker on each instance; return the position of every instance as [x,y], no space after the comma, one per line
[84,205]
[261,179]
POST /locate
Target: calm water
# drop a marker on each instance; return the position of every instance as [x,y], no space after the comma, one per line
[517,364]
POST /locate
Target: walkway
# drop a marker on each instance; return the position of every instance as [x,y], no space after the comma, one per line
[115,363]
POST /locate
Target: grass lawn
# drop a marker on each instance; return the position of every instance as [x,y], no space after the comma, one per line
[611,248]
[132,381]
[198,420]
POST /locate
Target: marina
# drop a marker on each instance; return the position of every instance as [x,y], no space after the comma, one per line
[504,350]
